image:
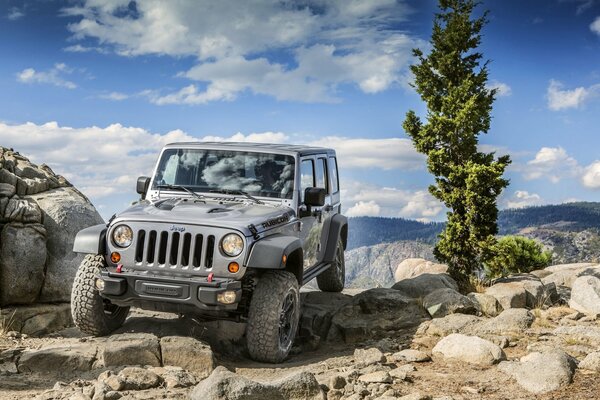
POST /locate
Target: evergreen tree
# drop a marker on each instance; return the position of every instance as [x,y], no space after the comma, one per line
[452,80]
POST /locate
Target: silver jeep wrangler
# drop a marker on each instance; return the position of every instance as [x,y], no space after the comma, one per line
[222,231]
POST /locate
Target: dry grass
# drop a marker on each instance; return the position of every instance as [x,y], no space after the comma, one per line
[6,323]
[479,285]
[574,341]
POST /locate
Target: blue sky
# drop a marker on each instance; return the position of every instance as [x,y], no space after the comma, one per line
[95,88]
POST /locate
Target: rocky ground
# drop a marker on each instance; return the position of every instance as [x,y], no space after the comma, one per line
[534,336]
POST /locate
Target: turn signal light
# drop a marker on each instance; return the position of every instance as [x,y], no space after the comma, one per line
[233,267]
[115,257]
[284,258]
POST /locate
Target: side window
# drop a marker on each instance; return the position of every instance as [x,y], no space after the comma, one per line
[333,175]
[322,174]
[307,176]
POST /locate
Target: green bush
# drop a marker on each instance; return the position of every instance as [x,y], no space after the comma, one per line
[516,254]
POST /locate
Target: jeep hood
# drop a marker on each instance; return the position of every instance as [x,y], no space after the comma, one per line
[189,211]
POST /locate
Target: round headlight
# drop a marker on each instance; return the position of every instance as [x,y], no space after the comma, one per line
[232,244]
[122,236]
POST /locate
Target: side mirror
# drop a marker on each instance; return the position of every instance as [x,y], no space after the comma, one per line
[314,197]
[142,186]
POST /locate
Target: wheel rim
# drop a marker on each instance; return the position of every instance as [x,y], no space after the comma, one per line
[287,321]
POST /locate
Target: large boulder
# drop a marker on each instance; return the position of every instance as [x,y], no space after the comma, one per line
[565,274]
[452,323]
[22,263]
[421,285]
[513,321]
[66,211]
[541,372]
[585,295]
[509,294]
[412,267]
[56,359]
[469,349]
[442,302]
[37,319]
[485,304]
[588,334]
[537,293]
[317,310]
[189,354]
[375,313]
[132,349]
[40,213]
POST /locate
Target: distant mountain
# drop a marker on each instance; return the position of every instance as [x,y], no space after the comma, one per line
[570,217]
[377,245]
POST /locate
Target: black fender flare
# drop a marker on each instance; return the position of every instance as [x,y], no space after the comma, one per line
[277,252]
[336,229]
[91,240]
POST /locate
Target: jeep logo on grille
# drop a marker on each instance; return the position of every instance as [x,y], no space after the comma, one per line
[175,228]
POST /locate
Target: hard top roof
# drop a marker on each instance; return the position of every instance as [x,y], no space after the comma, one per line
[241,146]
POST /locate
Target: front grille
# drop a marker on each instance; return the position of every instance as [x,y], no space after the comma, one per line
[174,249]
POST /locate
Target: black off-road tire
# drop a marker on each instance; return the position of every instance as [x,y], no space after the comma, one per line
[92,314]
[267,340]
[334,278]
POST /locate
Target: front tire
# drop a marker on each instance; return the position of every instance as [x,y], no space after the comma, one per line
[334,278]
[93,314]
[273,317]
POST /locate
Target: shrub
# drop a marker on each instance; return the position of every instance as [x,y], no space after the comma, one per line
[515,254]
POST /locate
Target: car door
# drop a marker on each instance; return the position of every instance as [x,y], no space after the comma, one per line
[311,221]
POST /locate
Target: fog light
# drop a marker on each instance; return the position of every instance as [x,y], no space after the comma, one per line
[233,267]
[99,284]
[115,257]
[227,297]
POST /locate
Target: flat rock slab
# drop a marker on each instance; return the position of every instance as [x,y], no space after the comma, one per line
[452,323]
[510,321]
[56,359]
[188,353]
[410,355]
[442,302]
[38,319]
[585,295]
[469,349]
[541,372]
[421,285]
[132,349]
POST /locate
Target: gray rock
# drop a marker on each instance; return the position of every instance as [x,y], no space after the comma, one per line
[537,293]
[317,310]
[134,378]
[188,353]
[485,304]
[452,323]
[469,349]
[585,295]
[376,377]
[541,372]
[420,286]
[587,334]
[566,274]
[509,295]
[21,210]
[511,321]
[223,384]
[591,362]
[22,260]
[38,319]
[131,349]
[442,302]
[337,382]
[375,313]
[7,190]
[174,377]
[66,211]
[299,386]
[410,355]
[365,357]
[58,359]
[412,267]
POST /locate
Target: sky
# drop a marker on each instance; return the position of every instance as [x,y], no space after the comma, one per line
[95,88]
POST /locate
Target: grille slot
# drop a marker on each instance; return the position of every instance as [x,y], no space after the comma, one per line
[174,250]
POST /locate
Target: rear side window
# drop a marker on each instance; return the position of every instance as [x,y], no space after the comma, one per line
[307,176]
[333,175]
[322,174]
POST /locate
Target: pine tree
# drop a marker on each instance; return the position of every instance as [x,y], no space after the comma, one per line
[452,80]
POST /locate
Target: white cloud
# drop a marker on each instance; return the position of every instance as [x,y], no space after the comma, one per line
[552,163]
[114,96]
[331,43]
[77,48]
[522,198]
[385,154]
[502,89]
[15,13]
[54,76]
[562,99]
[591,176]
[364,209]
[595,26]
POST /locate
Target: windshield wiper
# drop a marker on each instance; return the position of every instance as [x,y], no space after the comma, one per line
[237,192]
[181,187]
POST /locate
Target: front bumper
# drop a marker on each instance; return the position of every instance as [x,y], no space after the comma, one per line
[130,289]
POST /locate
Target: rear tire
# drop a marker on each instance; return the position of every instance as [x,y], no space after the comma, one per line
[93,314]
[334,278]
[273,317]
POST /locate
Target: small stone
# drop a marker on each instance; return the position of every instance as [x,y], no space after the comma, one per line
[591,362]
[364,357]
[337,382]
[135,378]
[376,377]
[470,349]
[410,355]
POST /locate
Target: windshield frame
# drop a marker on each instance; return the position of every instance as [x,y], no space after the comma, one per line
[155,194]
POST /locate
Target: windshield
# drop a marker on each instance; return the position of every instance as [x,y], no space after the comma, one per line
[201,170]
